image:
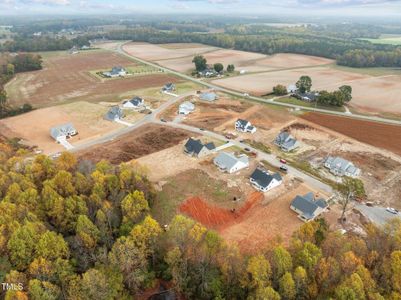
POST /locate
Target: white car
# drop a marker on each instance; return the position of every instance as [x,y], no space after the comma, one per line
[392,210]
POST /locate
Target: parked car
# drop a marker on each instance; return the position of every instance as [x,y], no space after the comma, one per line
[283,161]
[392,210]
[284,168]
[242,141]
[247,149]
[202,129]
[163,120]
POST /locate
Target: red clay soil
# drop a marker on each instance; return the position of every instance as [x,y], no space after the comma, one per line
[380,135]
[213,216]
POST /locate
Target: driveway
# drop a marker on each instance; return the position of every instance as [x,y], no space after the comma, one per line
[376,214]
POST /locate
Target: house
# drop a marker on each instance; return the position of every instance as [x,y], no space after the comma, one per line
[209,96]
[286,141]
[228,162]
[307,97]
[244,126]
[196,148]
[168,87]
[62,132]
[264,181]
[307,207]
[115,72]
[341,167]
[186,108]
[135,102]
[292,88]
[114,113]
[208,72]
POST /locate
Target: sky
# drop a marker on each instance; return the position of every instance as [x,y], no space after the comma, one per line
[224,7]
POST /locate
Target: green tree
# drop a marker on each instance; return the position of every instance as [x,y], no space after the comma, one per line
[259,271]
[218,67]
[43,290]
[200,63]
[87,232]
[3,100]
[287,286]
[10,70]
[346,90]
[350,189]
[280,90]
[396,270]
[134,206]
[281,262]
[304,84]
[230,68]
[264,293]
[52,246]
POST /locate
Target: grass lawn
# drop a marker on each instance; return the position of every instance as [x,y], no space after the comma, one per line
[386,39]
[291,100]
[188,184]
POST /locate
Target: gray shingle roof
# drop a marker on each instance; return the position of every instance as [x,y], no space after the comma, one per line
[307,205]
[113,113]
[263,178]
[62,130]
[196,146]
[228,160]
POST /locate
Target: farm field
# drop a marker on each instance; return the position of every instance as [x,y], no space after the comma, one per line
[140,142]
[34,127]
[386,39]
[247,61]
[380,135]
[370,93]
[157,52]
[67,78]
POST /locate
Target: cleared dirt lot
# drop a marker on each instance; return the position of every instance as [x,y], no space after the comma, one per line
[377,134]
[34,127]
[248,61]
[157,52]
[140,142]
[67,78]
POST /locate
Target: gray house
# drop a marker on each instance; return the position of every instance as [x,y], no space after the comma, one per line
[228,162]
[341,167]
[168,87]
[244,126]
[286,141]
[62,132]
[307,207]
[115,72]
[209,96]
[264,181]
[197,149]
[114,113]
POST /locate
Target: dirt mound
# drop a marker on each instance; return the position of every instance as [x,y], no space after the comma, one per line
[213,216]
[140,142]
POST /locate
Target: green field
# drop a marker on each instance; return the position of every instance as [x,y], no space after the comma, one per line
[386,39]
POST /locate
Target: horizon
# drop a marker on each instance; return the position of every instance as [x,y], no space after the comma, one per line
[235,8]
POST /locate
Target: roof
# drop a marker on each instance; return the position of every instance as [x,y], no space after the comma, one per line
[61,130]
[307,204]
[114,112]
[187,106]
[263,178]
[228,160]
[286,140]
[341,164]
[136,101]
[208,96]
[196,146]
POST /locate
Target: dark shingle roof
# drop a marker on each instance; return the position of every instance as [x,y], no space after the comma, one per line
[263,178]
[195,146]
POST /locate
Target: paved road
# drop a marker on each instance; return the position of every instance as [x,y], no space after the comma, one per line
[376,214]
[145,120]
[270,158]
[121,51]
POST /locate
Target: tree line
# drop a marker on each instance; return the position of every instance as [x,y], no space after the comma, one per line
[11,65]
[75,230]
[43,43]
[344,50]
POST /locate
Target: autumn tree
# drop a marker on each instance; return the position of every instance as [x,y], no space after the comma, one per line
[304,84]
[280,90]
[287,286]
[350,189]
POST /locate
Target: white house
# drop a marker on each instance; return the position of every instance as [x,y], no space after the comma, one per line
[264,181]
[186,108]
[115,72]
[135,102]
[62,132]
[228,162]
[341,167]
[292,88]
[244,126]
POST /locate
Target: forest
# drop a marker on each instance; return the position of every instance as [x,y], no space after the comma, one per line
[76,230]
